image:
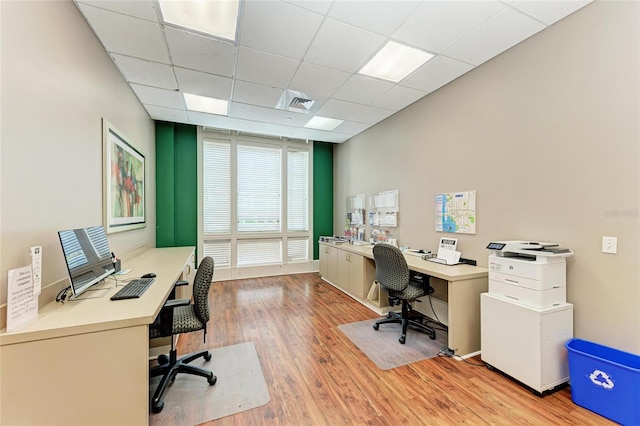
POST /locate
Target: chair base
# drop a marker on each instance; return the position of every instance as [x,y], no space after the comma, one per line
[406,321]
[170,366]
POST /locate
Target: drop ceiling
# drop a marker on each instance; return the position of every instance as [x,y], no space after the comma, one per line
[312,48]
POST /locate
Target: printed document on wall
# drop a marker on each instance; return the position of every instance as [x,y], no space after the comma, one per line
[456,212]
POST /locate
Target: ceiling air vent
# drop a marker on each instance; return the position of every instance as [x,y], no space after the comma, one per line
[294,101]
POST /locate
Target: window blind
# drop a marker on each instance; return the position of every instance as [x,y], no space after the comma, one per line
[259,252]
[298,249]
[259,188]
[298,190]
[220,251]
[216,168]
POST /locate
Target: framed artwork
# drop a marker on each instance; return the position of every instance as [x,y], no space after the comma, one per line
[124,182]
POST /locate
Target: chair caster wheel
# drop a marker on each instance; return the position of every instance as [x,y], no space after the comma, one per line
[433,336]
[163,359]
[212,380]
[402,339]
[156,408]
[207,356]
[376,326]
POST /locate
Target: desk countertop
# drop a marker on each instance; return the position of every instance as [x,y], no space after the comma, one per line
[99,314]
[416,263]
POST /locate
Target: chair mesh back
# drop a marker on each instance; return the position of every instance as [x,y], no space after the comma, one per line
[201,285]
[392,271]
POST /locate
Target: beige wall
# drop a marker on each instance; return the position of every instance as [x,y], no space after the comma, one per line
[548,135]
[57,84]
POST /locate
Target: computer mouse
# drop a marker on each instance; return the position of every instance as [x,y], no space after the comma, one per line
[149,275]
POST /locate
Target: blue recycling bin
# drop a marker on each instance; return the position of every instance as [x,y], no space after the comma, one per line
[605,380]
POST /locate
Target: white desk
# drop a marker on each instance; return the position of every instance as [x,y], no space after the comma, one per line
[465,283]
[86,361]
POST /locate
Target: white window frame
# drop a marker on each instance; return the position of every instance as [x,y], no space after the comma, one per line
[234,271]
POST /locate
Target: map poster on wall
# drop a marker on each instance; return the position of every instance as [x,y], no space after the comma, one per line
[456,212]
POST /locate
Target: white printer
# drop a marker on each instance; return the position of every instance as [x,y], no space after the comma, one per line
[527,272]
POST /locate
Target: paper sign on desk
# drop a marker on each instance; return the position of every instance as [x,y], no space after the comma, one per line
[22,303]
[447,253]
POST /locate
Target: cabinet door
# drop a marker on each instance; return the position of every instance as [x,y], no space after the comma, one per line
[343,270]
[356,276]
[329,263]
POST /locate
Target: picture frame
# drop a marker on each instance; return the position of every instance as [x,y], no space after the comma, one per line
[124,180]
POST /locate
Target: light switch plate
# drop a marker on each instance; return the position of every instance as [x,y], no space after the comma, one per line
[610,245]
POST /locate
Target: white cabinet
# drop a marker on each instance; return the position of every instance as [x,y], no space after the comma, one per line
[329,263]
[351,272]
[526,343]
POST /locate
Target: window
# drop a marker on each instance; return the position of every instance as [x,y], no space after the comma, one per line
[216,158]
[255,201]
[298,190]
[259,188]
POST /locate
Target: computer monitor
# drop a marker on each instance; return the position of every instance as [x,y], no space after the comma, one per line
[88,257]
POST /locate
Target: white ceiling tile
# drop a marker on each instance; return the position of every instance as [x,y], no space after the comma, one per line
[145,72]
[203,84]
[436,25]
[317,81]
[501,32]
[280,130]
[264,68]
[322,136]
[340,110]
[204,119]
[352,127]
[312,47]
[249,112]
[127,35]
[167,114]
[246,125]
[342,46]
[278,27]
[362,90]
[288,118]
[257,94]
[548,11]
[139,9]
[399,97]
[436,73]
[377,16]
[372,115]
[159,97]
[318,6]
[201,53]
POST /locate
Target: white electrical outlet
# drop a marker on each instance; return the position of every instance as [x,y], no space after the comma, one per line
[610,245]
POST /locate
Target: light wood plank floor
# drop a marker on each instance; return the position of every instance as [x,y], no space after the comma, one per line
[317,376]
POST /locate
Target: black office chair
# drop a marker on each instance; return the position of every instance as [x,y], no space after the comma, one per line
[182,316]
[392,272]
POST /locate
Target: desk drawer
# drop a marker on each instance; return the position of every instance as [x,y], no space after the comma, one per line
[525,296]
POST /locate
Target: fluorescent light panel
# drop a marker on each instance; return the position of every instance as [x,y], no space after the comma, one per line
[205,104]
[395,61]
[218,18]
[323,123]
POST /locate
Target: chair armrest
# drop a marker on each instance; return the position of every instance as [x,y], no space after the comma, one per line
[172,303]
[181,283]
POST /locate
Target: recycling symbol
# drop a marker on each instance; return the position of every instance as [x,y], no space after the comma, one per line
[601,378]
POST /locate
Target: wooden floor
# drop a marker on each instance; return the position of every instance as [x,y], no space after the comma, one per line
[316,376]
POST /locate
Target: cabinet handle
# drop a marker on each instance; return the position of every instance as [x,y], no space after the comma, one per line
[512,281]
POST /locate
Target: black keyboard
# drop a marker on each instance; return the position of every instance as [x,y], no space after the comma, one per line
[133,289]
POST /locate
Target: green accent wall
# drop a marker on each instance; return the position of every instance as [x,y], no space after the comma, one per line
[322,193]
[176,185]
